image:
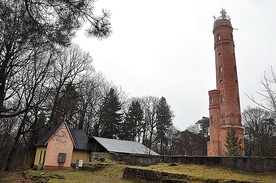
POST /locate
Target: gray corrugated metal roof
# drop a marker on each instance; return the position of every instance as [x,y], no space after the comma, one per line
[124,146]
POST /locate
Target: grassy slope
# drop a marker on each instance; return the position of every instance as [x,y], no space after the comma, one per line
[113,172]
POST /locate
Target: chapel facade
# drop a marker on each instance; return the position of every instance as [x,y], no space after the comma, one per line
[224,101]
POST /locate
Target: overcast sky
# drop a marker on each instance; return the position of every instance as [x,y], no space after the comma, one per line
[166,48]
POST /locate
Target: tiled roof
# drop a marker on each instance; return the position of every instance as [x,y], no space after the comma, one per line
[124,146]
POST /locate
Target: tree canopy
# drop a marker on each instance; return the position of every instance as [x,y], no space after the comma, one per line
[45,25]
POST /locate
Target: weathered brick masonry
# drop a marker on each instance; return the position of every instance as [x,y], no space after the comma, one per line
[224,102]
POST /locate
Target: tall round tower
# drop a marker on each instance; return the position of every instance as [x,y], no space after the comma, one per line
[224,102]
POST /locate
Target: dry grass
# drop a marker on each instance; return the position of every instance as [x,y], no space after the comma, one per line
[110,173]
[113,172]
[202,173]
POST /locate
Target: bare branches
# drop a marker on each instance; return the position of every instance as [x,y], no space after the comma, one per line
[268,93]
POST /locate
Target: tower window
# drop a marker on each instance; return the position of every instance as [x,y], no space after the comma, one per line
[219,37]
[220,68]
[221,81]
[222,99]
[212,119]
[220,54]
[223,119]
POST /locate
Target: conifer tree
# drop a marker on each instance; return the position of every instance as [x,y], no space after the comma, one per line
[66,106]
[133,121]
[232,143]
[164,121]
[110,116]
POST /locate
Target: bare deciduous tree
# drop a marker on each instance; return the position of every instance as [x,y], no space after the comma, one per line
[268,93]
[70,64]
[260,132]
[149,104]
[29,97]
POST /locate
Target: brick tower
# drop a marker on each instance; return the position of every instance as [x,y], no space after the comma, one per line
[224,102]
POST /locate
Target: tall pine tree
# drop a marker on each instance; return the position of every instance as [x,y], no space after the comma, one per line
[133,121]
[110,116]
[164,121]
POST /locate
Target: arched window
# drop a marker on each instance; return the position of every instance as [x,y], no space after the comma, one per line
[220,68]
[222,99]
[219,37]
[212,119]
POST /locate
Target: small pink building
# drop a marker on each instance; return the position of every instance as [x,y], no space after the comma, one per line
[61,147]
